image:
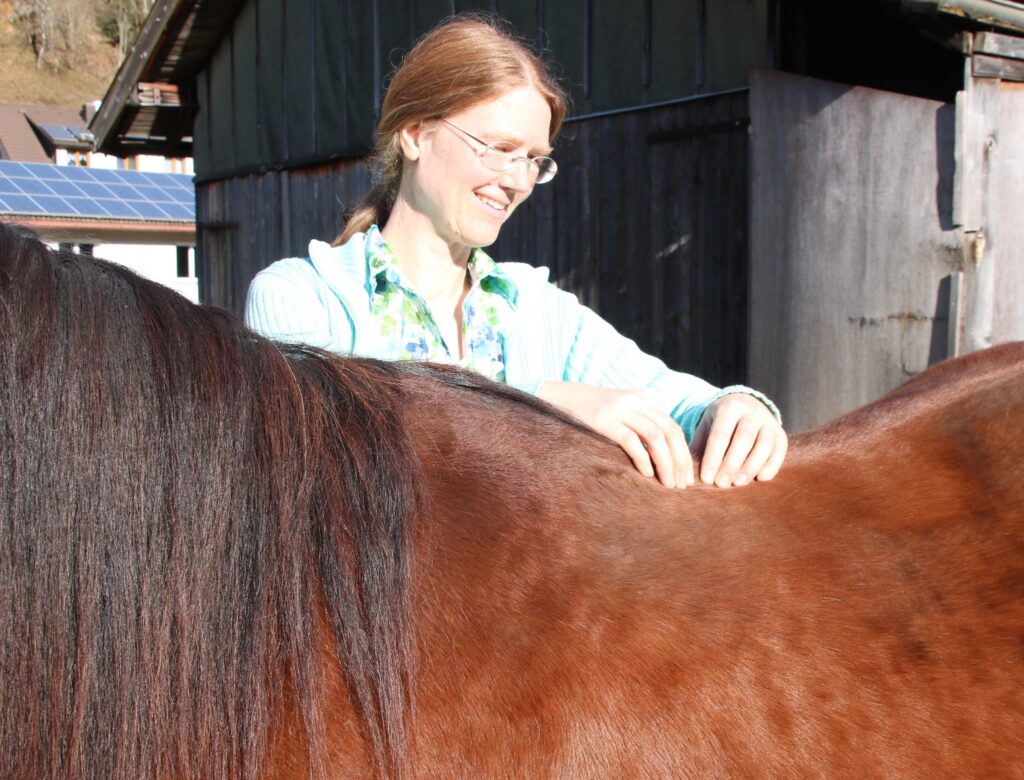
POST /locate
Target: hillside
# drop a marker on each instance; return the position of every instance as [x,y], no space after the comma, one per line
[20,82]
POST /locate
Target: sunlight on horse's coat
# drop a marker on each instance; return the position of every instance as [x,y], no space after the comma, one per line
[227,558]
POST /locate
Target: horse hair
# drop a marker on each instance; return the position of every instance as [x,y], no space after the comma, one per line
[179,499]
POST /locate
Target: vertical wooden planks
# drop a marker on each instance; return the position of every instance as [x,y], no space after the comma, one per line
[850,242]
[646,223]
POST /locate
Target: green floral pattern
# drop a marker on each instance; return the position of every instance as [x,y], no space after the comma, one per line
[408,330]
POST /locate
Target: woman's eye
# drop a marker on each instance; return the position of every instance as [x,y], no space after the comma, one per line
[503,148]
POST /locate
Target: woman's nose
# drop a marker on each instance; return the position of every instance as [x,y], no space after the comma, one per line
[519,176]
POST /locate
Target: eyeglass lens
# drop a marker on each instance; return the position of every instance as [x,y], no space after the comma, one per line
[543,168]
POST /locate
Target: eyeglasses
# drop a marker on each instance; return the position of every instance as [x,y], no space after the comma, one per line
[540,169]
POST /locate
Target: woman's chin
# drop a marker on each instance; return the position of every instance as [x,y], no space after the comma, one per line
[482,236]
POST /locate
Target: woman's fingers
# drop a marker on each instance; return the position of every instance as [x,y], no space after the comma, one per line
[740,439]
[664,442]
[758,457]
[652,439]
[720,421]
[742,442]
[635,449]
[774,462]
[739,443]
[681,457]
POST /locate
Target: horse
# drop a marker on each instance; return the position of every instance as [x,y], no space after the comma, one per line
[228,558]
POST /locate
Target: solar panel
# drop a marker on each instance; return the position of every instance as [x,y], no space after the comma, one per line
[38,189]
[60,133]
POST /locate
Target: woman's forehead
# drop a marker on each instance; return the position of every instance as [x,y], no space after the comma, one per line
[520,115]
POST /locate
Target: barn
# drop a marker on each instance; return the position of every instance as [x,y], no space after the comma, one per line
[818,199]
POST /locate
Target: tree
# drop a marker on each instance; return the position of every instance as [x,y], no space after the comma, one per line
[54,28]
[121,20]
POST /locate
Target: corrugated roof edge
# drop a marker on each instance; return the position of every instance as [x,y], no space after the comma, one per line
[1003,14]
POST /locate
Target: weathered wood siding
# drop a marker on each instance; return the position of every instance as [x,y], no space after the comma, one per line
[247,222]
[989,197]
[852,236]
[646,222]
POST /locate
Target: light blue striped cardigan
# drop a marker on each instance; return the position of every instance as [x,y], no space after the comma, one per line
[324,300]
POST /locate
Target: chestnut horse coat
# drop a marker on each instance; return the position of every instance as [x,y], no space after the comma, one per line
[221,558]
[861,615]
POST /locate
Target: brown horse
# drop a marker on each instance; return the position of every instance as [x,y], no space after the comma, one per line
[221,557]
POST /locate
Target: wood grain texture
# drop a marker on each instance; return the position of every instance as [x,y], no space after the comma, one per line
[851,236]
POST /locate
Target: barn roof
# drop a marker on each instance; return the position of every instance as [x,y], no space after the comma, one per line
[150,105]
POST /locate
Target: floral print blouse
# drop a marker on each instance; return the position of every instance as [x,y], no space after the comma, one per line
[408,329]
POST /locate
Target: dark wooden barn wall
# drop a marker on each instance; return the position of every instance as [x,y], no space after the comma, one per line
[646,222]
[245,223]
[299,83]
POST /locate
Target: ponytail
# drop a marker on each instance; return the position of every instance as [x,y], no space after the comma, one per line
[375,207]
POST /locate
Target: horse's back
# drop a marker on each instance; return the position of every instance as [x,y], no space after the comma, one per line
[862,613]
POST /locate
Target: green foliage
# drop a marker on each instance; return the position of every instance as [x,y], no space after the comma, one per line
[119,21]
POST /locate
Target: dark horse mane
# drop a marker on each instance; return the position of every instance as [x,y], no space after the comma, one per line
[188,481]
[206,567]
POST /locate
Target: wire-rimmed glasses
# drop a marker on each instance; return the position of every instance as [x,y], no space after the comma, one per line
[540,169]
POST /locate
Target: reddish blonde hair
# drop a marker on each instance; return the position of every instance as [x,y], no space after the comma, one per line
[460,63]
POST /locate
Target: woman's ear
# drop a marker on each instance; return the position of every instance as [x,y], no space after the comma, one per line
[411,139]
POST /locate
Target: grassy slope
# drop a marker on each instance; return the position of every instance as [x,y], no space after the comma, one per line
[20,82]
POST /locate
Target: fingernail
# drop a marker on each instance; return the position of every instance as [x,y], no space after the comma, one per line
[741,480]
[724,481]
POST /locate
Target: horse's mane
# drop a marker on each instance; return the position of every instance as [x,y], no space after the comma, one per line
[180,503]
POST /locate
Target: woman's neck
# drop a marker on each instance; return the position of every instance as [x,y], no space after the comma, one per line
[433,267]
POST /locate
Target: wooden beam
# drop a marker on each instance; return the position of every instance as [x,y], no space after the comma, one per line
[107,231]
[999,45]
[985,66]
[105,123]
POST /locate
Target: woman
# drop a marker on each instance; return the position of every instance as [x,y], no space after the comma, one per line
[464,136]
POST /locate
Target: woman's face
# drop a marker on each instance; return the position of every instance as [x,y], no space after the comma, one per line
[445,180]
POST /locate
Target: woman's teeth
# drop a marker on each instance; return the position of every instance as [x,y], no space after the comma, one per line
[492,203]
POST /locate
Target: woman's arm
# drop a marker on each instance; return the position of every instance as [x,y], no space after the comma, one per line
[650,410]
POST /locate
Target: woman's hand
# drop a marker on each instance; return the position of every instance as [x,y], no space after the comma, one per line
[651,438]
[741,441]
[739,438]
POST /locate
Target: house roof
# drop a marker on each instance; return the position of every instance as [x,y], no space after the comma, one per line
[95,205]
[150,105]
[74,191]
[20,134]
